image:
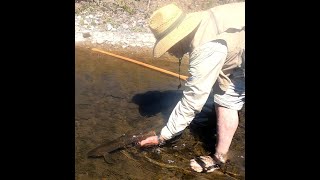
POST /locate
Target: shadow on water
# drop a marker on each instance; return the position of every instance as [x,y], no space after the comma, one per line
[153,102]
[203,125]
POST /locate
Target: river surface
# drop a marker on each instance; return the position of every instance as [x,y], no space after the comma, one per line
[115,97]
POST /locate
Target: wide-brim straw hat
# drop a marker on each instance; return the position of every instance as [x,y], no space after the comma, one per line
[170,25]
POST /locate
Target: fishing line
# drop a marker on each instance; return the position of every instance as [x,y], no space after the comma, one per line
[179,86]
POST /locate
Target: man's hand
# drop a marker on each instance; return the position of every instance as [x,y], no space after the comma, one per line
[150,141]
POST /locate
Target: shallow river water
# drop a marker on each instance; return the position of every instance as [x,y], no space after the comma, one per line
[114,97]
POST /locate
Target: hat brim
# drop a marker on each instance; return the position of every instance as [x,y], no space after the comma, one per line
[190,22]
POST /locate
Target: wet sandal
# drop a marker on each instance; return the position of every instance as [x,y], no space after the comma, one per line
[204,164]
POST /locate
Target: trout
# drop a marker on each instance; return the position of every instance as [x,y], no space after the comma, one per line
[122,142]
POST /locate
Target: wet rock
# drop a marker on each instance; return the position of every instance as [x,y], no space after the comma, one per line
[125,26]
[109,27]
[86,34]
[133,24]
[100,41]
[85,22]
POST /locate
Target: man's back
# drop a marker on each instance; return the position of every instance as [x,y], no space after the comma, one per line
[229,16]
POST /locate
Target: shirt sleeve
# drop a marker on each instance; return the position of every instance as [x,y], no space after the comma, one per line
[205,65]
